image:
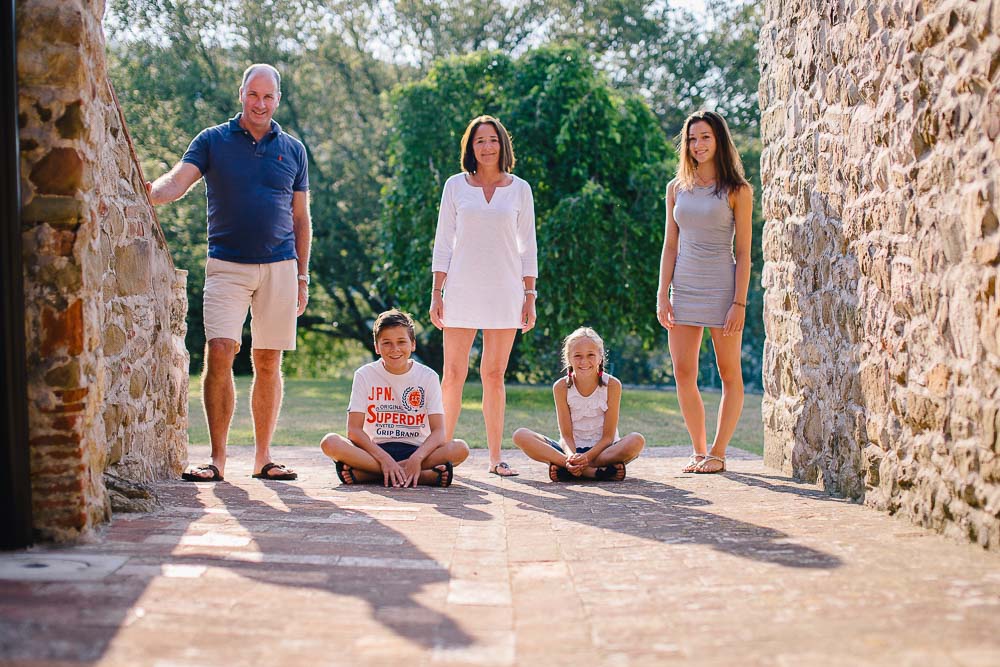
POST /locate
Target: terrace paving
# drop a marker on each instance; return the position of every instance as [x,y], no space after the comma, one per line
[746,568]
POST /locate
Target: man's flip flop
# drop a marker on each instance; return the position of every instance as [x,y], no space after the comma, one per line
[503,470]
[285,476]
[191,477]
[444,476]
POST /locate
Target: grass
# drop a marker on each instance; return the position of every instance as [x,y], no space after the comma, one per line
[313,408]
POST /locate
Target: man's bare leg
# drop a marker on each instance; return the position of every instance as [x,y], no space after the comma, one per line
[218,393]
[265,403]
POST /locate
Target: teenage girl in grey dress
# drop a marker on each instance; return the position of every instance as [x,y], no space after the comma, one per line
[706,266]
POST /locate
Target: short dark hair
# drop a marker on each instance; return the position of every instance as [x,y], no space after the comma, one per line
[507,160]
[393,318]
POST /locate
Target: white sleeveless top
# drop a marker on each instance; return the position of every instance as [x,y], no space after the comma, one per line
[587,414]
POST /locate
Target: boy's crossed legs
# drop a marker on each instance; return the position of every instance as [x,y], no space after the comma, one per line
[543,449]
[360,467]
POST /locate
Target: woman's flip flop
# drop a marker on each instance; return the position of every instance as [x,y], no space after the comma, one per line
[503,470]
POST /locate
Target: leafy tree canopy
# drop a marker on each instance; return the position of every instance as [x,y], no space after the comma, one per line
[176,65]
[597,162]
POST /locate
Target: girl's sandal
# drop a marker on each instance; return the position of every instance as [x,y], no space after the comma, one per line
[560,474]
[693,462]
[701,468]
[610,473]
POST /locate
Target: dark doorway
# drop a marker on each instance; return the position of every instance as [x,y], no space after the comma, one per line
[15,471]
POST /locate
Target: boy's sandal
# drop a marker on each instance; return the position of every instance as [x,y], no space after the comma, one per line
[610,473]
[444,476]
[560,474]
[208,467]
[693,462]
[700,469]
[503,470]
[345,473]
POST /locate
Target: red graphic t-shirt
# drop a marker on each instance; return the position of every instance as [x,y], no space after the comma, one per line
[396,406]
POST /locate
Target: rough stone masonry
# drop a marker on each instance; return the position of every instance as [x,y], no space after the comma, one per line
[881,171]
[105,305]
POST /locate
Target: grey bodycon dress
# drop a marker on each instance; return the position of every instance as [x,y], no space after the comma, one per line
[704,279]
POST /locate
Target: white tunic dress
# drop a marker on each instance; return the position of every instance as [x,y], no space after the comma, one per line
[486,249]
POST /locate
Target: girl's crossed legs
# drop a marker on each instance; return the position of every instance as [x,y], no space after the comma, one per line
[546,450]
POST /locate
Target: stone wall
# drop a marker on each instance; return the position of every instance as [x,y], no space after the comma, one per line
[881,171]
[106,308]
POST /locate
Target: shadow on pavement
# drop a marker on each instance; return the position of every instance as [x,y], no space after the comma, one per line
[761,481]
[457,502]
[75,621]
[363,557]
[666,514]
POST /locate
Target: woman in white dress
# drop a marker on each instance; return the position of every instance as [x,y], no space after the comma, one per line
[485,266]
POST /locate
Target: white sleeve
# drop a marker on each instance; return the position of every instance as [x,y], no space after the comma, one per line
[444,238]
[435,404]
[359,393]
[526,234]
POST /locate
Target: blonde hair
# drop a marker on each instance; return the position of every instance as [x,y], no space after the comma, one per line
[580,334]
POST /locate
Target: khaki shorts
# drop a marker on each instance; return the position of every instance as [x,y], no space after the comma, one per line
[270,291]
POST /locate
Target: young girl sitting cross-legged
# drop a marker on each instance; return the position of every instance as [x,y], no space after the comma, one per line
[587,402]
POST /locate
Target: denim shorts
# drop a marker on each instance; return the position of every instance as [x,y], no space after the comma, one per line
[399,451]
[555,445]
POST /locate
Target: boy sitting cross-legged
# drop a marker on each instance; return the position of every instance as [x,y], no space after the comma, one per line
[395,422]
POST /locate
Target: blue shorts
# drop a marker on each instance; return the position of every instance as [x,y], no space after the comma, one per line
[399,451]
[555,445]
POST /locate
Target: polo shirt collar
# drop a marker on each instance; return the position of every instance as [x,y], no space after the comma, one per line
[234,125]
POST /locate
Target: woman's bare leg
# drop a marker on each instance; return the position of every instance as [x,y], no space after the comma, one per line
[728,353]
[457,344]
[497,344]
[685,345]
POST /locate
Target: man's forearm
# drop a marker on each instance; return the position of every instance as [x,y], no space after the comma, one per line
[174,184]
[303,243]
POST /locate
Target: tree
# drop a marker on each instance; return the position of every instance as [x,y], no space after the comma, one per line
[176,65]
[597,163]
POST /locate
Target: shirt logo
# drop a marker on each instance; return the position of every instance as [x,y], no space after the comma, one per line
[413,398]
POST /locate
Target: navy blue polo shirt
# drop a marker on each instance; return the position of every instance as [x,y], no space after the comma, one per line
[249,186]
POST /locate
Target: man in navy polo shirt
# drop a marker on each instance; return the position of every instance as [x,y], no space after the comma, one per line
[259,233]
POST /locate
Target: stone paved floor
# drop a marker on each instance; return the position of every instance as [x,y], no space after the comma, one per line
[748,568]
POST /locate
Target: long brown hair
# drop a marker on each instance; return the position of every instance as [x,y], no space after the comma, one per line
[729,174]
[507,160]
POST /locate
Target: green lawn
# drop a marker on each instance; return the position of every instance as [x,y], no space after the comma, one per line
[315,407]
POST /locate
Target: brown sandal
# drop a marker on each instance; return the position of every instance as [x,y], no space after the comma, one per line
[700,470]
[192,477]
